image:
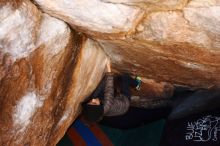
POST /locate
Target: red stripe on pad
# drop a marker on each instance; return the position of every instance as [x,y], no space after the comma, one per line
[100,135]
[75,137]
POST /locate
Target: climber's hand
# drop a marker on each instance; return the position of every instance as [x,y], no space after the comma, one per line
[108,65]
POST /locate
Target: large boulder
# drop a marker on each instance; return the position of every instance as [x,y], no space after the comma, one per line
[173,41]
[46,71]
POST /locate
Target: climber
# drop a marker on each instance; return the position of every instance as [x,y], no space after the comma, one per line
[104,101]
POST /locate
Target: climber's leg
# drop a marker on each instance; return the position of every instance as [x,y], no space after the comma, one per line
[136,117]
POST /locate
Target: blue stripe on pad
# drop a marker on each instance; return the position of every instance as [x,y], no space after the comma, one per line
[86,134]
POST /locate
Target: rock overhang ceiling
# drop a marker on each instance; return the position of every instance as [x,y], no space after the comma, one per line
[173,41]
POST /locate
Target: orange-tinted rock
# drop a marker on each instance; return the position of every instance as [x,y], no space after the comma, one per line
[46,70]
[180,47]
[175,41]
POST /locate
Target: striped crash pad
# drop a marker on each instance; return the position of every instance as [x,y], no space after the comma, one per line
[79,134]
[98,135]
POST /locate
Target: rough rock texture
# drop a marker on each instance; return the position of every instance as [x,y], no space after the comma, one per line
[94,17]
[176,41]
[178,46]
[46,70]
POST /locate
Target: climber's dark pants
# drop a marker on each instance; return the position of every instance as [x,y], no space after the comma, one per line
[136,117]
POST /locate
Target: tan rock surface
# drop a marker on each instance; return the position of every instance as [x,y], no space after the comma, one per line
[94,17]
[152,5]
[46,70]
[175,41]
[177,46]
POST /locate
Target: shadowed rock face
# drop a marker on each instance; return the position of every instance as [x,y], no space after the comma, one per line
[46,71]
[152,94]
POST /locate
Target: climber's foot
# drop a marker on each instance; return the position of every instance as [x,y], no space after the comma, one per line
[139,81]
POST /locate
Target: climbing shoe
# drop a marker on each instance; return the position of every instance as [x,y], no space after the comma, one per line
[138,80]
